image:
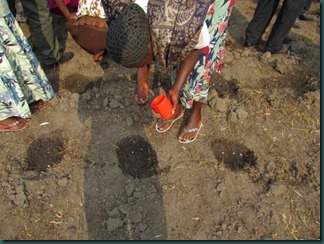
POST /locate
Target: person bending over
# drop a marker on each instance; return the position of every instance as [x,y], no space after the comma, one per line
[89,28]
[188,41]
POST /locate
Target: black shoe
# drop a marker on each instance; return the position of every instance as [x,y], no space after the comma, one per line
[66,57]
[261,46]
[248,44]
[297,24]
[284,49]
[308,17]
[288,40]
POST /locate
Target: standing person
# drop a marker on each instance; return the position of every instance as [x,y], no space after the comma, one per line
[63,8]
[263,14]
[61,11]
[304,15]
[187,40]
[24,87]
[40,22]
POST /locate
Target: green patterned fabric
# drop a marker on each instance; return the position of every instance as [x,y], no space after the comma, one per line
[22,79]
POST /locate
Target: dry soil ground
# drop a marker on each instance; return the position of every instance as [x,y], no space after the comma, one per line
[92,166]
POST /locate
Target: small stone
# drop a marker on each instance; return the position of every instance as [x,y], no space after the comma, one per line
[123,208]
[142,227]
[221,187]
[118,97]
[232,117]
[224,226]
[239,229]
[106,102]
[113,224]
[241,114]
[135,217]
[130,189]
[86,96]
[63,182]
[129,121]
[219,233]
[114,213]
[114,104]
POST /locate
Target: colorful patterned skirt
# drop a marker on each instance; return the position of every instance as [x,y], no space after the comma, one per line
[22,79]
[216,19]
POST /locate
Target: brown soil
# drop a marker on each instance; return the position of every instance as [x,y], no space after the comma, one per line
[92,166]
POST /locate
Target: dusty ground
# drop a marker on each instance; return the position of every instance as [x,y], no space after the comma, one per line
[92,166]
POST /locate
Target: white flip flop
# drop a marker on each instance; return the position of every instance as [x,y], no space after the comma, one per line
[197,129]
[167,121]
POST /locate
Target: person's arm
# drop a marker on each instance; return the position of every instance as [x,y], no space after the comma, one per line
[64,9]
[186,67]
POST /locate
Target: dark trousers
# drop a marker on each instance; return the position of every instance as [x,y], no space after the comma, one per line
[40,22]
[12,6]
[306,6]
[263,14]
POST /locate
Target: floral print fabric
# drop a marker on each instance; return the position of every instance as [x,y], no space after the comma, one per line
[175,27]
[175,33]
[175,30]
[22,79]
[91,8]
[113,8]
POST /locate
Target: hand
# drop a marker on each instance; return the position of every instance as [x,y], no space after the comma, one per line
[85,20]
[72,16]
[80,21]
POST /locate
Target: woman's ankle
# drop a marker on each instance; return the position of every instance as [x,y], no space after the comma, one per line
[195,115]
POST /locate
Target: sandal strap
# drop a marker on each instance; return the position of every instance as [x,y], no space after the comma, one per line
[18,124]
[191,130]
[167,121]
[171,120]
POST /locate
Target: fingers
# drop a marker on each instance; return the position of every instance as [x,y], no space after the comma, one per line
[174,108]
[140,100]
[174,98]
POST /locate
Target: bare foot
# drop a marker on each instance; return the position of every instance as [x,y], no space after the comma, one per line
[163,125]
[191,130]
[37,106]
[98,57]
[189,133]
[13,124]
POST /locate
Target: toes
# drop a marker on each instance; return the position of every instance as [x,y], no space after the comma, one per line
[161,124]
[13,124]
[189,135]
[185,137]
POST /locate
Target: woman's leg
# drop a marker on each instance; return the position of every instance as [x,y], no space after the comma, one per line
[195,92]
[185,69]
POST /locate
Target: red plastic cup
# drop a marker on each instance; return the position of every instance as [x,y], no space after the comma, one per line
[162,106]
